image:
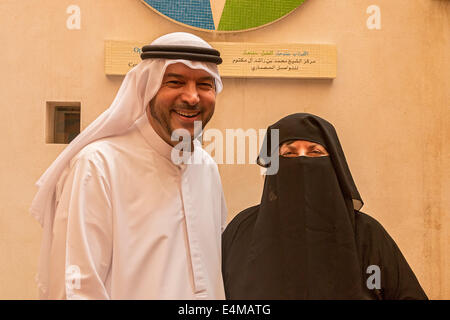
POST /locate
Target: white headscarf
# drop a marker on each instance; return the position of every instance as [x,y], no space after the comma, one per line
[139,86]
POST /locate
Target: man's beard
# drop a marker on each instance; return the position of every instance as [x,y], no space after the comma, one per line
[161,119]
[164,121]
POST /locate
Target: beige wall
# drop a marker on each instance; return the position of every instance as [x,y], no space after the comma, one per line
[389,103]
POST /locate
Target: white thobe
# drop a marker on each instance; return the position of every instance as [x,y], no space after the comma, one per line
[130,224]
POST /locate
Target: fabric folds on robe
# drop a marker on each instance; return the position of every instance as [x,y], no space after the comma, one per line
[131,224]
[137,89]
[305,240]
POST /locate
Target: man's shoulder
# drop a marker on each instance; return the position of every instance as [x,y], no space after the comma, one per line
[94,149]
[101,150]
[111,144]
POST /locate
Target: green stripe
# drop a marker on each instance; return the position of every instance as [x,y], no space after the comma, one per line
[246,14]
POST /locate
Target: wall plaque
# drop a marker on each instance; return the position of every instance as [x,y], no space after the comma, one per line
[243,60]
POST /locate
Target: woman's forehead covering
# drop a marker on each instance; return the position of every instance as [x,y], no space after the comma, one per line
[304,126]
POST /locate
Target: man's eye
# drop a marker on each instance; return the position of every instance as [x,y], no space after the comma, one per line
[174,82]
[205,85]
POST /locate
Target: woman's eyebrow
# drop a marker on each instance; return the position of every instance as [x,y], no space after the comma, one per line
[288,148]
[314,145]
[287,143]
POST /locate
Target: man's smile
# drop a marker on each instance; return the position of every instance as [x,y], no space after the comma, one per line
[187,115]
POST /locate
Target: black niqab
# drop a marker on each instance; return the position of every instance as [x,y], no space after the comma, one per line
[302,241]
[304,126]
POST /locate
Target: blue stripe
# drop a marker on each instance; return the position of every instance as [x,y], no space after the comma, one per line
[196,13]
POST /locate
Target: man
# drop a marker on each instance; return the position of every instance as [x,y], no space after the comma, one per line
[308,239]
[121,219]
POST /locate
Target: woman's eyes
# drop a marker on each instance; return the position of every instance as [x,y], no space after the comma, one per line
[315,152]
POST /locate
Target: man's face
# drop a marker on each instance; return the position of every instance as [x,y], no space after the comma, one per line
[186,95]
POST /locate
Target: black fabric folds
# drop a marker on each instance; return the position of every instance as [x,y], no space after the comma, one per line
[305,126]
[307,239]
[303,244]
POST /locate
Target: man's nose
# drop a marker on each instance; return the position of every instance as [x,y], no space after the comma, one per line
[190,94]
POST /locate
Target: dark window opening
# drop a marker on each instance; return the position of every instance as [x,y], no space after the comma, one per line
[63,122]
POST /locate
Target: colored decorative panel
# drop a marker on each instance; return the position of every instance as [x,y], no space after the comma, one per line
[224,15]
[195,13]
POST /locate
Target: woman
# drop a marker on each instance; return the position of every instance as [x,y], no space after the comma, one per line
[307,238]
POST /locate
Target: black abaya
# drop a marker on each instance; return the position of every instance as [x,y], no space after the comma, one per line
[307,239]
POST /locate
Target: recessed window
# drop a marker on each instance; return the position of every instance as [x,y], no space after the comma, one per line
[63,121]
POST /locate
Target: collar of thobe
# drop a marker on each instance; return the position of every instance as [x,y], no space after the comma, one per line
[157,143]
